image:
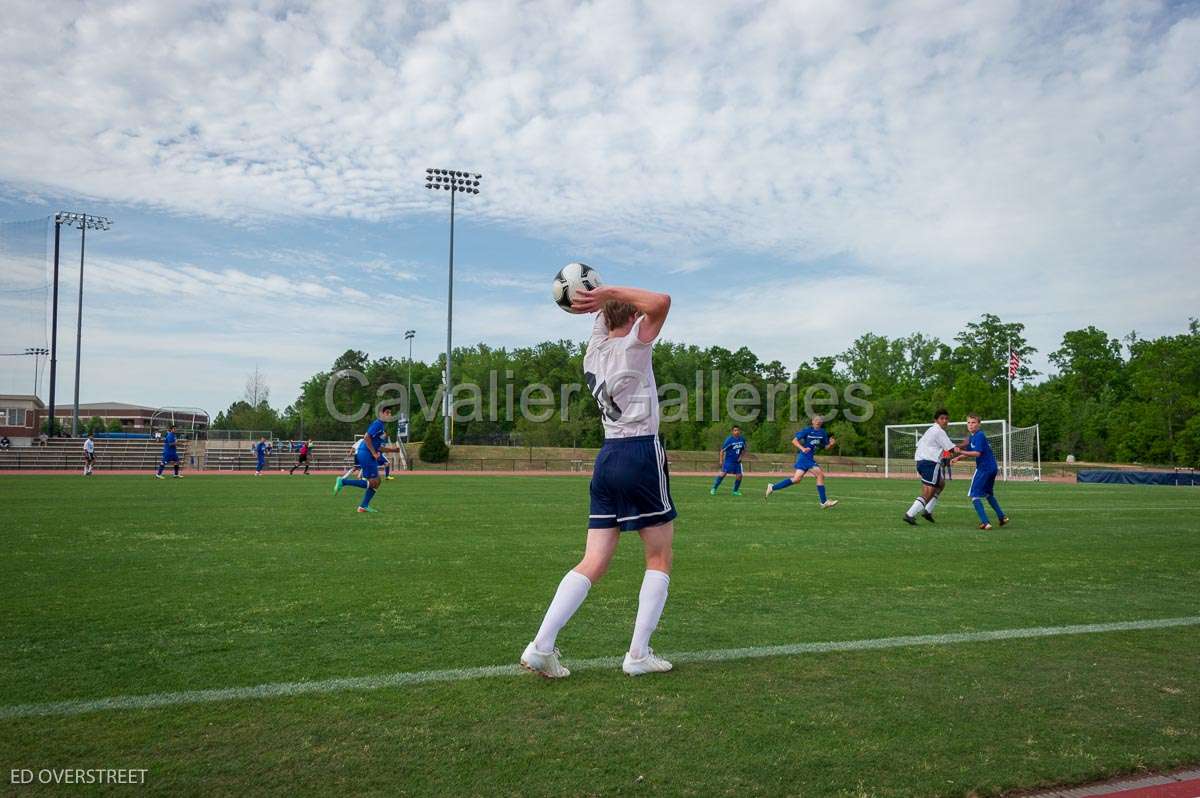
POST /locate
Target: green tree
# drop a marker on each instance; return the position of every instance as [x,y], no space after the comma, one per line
[1088,360]
[983,348]
[433,448]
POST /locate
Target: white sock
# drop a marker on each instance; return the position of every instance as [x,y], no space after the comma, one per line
[651,601]
[572,590]
[917,507]
[929,505]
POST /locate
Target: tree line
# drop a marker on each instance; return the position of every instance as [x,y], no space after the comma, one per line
[1108,400]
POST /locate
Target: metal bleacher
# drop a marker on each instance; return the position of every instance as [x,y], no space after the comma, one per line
[324,456]
[66,454]
[112,455]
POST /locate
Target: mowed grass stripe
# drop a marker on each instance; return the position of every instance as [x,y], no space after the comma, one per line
[285,689]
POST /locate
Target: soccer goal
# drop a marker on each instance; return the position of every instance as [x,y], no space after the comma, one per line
[1018,451]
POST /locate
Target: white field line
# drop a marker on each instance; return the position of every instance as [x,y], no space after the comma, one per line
[285,689]
[1090,508]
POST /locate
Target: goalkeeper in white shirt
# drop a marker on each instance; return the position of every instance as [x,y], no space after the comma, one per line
[929,466]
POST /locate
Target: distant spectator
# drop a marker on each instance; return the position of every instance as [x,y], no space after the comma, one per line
[44,439]
[5,443]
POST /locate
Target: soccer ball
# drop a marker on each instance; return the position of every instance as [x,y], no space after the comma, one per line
[571,278]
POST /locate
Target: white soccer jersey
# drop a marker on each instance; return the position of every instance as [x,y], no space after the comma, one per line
[933,443]
[88,446]
[620,375]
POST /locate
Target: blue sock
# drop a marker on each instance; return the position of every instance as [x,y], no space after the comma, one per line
[983,519]
[717,482]
[821,493]
[159,469]
[367,497]
[355,483]
[781,484]
[387,471]
[995,506]
[737,484]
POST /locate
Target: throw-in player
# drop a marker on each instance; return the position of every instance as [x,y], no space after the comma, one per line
[630,488]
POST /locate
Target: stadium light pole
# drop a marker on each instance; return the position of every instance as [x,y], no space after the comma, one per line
[58,221]
[84,222]
[456,182]
[409,335]
[36,352]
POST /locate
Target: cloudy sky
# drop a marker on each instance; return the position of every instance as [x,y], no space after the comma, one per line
[794,173]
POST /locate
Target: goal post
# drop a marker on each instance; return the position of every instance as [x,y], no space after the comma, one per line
[1017,450]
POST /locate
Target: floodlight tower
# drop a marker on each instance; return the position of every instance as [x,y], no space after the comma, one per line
[456,182]
[409,335]
[84,222]
[36,352]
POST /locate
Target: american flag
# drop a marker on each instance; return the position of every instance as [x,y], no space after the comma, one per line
[1014,363]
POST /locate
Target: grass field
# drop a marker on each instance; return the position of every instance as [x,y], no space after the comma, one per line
[125,586]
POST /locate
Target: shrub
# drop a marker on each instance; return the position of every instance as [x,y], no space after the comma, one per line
[433,448]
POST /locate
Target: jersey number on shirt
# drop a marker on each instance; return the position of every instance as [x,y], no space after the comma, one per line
[608,408]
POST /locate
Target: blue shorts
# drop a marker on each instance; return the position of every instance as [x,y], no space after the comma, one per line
[805,462]
[732,467]
[631,486]
[170,455]
[261,462]
[982,484]
[367,464]
[930,471]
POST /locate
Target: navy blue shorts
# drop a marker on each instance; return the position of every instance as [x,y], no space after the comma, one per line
[631,487]
[930,471]
[805,462]
[366,463]
[170,455]
[732,468]
[982,484]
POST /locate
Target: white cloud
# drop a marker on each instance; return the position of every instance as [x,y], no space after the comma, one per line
[1043,154]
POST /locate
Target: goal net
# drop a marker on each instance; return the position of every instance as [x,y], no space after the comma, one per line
[1018,451]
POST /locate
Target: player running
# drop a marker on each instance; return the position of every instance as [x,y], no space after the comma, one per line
[302,457]
[169,454]
[89,455]
[630,488]
[367,459]
[808,441]
[731,461]
[983,483]
[260,454]
[933,443]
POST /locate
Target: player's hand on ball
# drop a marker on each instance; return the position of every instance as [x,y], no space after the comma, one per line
[586,301]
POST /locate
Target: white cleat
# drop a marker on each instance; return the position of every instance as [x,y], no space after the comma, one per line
[544,663]
[651,663]
[828,504]
[159,476]
[770,490]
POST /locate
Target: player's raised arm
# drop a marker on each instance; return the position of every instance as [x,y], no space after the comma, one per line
[652,305]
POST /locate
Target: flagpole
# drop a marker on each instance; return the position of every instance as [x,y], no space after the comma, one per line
[1008,433]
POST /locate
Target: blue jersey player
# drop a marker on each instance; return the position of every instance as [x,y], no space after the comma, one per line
[367,460]
[260,455]
[169,454]
[808,441]
[984,482]
[731,461]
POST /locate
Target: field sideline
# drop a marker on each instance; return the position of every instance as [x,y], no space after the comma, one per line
[128,586]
